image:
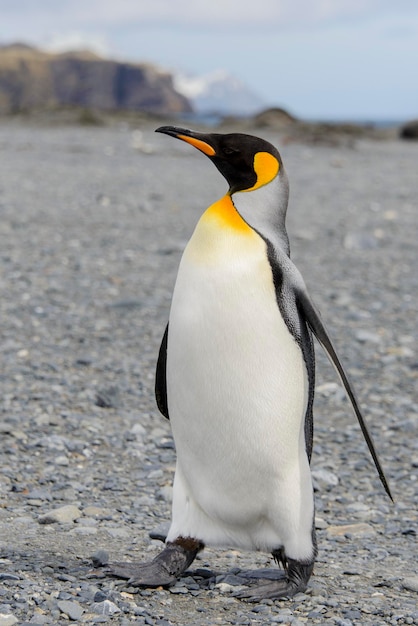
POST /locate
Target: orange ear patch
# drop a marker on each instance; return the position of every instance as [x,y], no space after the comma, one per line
[197,143]
[266,167]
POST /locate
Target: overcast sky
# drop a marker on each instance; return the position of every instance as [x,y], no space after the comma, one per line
[334,59]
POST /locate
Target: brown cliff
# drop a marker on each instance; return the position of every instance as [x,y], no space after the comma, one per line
[31,78]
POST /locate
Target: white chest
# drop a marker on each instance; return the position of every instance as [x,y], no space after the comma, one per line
[234,371]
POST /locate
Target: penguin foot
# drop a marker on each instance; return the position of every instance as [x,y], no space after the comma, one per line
[164,569]
[295,580]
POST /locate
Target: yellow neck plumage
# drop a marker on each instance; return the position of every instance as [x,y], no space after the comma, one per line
[223,214]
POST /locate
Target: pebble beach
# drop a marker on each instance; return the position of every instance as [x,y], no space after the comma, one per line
[93,221]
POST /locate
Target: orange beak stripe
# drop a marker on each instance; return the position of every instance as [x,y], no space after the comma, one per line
[200,145]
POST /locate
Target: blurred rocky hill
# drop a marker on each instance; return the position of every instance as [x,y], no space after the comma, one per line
[31,78]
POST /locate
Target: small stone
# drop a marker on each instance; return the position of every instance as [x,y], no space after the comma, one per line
[358,530]
[331,390]
[100,596]
[108,398]
[8,576]
[87,521]
[360,241]
[410,583]
[366,336]
[139,431]
[128,304]
[39,494]
[322,477]
[62,461]
[73,609]
[400,351]
[62,515]
[320,524]
[7,619]
[100,558]
[286,612]
[178,590]
[166,493]
[224,587]
[6,428]
[260,608]
[155,474]
[107,607]
[353,614]
[97,511]
[124,533]
[84,530]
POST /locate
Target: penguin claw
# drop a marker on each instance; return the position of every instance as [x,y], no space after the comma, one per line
[152,574]
[270,591]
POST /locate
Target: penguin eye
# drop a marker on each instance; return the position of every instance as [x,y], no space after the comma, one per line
[228,151]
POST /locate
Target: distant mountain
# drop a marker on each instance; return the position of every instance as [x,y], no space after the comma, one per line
[31,78]
[218,92]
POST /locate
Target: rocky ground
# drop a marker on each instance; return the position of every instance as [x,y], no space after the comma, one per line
[93,222]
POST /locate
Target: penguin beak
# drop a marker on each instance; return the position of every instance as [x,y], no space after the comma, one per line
[195,139]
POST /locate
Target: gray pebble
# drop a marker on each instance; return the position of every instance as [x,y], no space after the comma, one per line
[62,515]
[8,620]
[323,477]
[105,607]
[411,583]
[108,398]
[366,336]
[99,558]
[73,609]
[178,589]
[360,241]
[8,576]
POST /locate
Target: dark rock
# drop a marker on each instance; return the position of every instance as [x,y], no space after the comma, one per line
[160,532]
[8,576]
[108,398]
[100,558]
[126,304]
[275,117]
[409,130]
[99,596]
[73,609]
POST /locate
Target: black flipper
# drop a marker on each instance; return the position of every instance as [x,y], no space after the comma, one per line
[314,321]
[161,377]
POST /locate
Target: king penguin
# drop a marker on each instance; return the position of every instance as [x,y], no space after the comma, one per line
[235,376]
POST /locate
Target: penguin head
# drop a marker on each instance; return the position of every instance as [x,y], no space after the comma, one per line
[245,161]
[249,164]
